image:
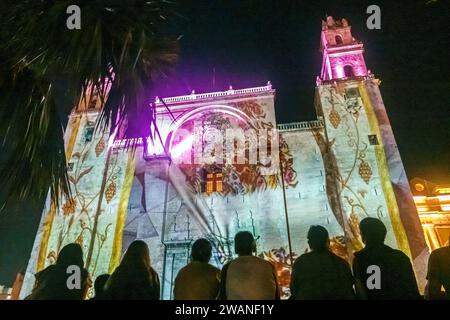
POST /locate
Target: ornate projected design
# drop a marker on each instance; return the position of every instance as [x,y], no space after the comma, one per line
[338,244]
[287,164]
[281,259]
[78,221]
[348,115]
[239,178]
[335,172]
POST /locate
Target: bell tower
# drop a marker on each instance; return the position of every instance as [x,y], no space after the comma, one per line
[342,53]
[363,165]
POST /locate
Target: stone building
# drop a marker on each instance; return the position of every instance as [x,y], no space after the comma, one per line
[433,205]
[333,171]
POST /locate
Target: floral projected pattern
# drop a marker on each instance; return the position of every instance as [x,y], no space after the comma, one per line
[238,178]
[281,259]
[89,218]
[329,172]
[358,192]
[333,171]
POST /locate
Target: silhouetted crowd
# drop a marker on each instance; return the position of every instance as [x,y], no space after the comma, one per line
[378,272]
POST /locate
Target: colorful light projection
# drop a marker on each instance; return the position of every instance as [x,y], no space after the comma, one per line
[433,205]
[333,175]
[342,54]
[184,133]
[183,146]
[200,137]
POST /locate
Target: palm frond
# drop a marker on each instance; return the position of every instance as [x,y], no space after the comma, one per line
[119,53]
[33,137]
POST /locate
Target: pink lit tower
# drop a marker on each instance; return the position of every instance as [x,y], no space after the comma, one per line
[365,174]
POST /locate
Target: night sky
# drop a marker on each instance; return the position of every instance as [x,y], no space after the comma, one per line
[245,43]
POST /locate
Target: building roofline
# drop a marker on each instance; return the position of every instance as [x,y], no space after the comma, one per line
[200,97]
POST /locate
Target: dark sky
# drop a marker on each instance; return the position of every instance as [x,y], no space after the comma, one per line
[245,43]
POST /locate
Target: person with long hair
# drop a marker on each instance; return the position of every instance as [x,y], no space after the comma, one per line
[67,279]
[134,278]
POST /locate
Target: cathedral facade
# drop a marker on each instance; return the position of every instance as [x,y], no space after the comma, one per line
[333,171]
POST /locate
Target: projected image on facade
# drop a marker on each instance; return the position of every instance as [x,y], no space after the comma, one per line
[333,171]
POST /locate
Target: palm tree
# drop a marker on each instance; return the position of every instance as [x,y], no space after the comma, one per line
[45,69]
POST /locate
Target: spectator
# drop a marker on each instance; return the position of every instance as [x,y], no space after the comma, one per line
[198,280]
[248,277]
[320,274]
[52,282]
[134,278]
[439,274]
[382,273]
[99,286]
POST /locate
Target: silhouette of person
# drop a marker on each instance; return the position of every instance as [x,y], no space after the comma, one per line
[58,281]
[134,278]
[248,277]
[320,274]
[439,273]
[99,286]
[198,280]
[381,272]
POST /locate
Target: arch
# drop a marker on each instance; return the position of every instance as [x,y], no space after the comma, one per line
[348,71]
[338,39]
[177,123]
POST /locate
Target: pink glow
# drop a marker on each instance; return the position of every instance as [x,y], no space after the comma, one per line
[224,109]
[339,71]
[183,146]
[345,53]
[154,147]
[337,58]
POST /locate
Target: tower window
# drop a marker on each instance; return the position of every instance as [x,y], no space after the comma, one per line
[373,140]
[89,133]
[351,93]
[348,71]
[214,182]
[339,39]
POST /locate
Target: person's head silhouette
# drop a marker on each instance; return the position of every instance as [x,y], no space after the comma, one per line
[244,243]
[318,238]
[71,254]
[201,250]
[99,285]
[137,254]
[373,231]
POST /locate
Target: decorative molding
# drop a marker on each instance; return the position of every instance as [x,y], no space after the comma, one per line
[300,125]
[219,94]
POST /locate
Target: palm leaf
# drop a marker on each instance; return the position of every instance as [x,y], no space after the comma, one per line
[33,137]
[119,53]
